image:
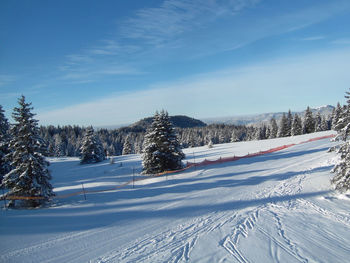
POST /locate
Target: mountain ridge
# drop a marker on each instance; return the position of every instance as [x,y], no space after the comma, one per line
[253,119]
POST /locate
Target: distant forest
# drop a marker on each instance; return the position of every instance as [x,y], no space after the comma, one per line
[66,140]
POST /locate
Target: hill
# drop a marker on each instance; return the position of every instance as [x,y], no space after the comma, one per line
[179,121]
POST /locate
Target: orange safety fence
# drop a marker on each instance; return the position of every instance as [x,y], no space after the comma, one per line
[188,166]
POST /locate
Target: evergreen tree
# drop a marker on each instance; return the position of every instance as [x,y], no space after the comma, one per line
[4,142]
[325,124]
[336,115]
[260,133]
[318,122]
[29,176]
[127,146]
[234,136]
[297,126]
[273,128]
[91,150]
[268,132]
[309,122]
[283,129]
[161,151]
[289,122]
[341,180]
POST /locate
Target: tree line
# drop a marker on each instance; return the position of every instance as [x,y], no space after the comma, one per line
[67,140]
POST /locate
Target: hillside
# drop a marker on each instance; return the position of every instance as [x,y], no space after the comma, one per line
[179,121]
[280,204]
[264,117]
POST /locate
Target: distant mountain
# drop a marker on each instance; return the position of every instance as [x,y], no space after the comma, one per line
[264,117]
[179,121]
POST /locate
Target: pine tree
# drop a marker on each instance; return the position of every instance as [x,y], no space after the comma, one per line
[297,126]
[273,128]
[289,123]
[325,124]
[234,136]
[268,132]
[161,150]
[260,133]
[29,176]
[309,122]
[318,122]
[341,180]
[91,150]
[5,166]
[283,129]
[127,146]
[337,114]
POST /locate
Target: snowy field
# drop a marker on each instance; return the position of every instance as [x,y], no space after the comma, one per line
[278,207]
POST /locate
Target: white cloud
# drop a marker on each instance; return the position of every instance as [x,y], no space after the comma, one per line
[274,85]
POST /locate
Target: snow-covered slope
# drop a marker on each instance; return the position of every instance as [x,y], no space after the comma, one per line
[277,207]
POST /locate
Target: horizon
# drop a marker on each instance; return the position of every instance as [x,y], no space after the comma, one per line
[116,63]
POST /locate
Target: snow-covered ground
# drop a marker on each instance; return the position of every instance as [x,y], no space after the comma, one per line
[278,207]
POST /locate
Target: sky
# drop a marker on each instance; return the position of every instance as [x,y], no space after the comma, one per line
[103,63]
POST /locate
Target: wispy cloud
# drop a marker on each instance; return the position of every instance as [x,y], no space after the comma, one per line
[158,25]
[341,41]
[293,80]
[312,38]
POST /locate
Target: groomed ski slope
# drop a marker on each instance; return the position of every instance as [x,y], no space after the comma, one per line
[278,207]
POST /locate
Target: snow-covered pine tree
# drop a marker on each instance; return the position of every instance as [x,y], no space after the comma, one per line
[325,124]
[91,149]
[5,166]
[29,176]
[273,128]
[289,121]
[309,122]
[127,146]
[161,150]
[318,122]
[337,114]
[234,136]
[341,180]
[260,133]
[268,132]
[283,128]
[297,126]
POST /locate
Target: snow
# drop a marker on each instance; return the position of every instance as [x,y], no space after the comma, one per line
[278,207]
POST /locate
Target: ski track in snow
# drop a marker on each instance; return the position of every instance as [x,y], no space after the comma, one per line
[288,187]
[176,241]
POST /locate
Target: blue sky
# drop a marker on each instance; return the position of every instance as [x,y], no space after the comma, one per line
[115,62]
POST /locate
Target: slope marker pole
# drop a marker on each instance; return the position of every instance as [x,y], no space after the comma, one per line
[194,161]
[82,185]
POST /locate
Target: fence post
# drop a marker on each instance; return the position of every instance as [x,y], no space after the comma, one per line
[82,185]
[194,161]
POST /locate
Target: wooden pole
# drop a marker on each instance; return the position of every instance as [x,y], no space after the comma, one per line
[82,185]
[194,161]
